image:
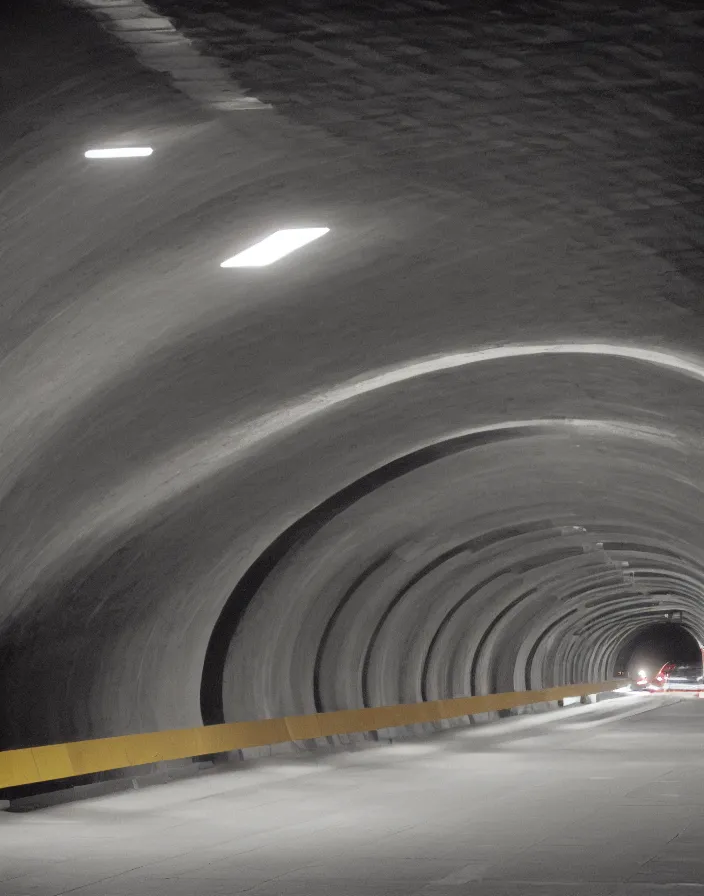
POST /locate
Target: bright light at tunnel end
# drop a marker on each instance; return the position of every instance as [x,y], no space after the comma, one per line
[119,152]
[274,247]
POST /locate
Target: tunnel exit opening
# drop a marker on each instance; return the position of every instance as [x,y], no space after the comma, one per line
[648,649]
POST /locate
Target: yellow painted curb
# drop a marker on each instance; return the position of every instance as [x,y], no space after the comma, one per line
[49,763]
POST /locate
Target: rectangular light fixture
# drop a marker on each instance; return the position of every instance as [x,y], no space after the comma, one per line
[274,247]
[119,152]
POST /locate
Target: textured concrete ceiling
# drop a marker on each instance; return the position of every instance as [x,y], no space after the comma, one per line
[454,446]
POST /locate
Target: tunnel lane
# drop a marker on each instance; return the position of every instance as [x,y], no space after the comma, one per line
[603,800]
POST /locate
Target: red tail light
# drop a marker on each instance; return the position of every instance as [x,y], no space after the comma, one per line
[663,673]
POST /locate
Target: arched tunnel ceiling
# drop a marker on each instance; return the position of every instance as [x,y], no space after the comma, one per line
[453,447]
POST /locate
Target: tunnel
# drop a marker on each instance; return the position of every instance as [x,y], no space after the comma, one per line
[656,644]
[351,459]
[450,447]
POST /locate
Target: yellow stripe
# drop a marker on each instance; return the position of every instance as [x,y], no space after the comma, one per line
[89,756]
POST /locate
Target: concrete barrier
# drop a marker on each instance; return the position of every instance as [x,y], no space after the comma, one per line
[59,762]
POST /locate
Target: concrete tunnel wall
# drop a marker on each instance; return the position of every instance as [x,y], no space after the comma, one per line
[218,503]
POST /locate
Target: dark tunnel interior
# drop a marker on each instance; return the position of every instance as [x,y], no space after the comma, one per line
[656,644]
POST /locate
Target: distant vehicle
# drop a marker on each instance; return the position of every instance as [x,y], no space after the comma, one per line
[675,679]
[641,682]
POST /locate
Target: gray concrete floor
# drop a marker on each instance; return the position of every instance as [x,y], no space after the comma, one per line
[590,801]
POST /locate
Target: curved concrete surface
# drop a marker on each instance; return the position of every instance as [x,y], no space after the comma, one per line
[454,447]
[604,800]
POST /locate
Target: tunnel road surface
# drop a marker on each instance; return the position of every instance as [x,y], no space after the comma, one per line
[586,801]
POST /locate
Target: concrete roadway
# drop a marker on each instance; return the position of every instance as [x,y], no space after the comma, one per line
[591,801]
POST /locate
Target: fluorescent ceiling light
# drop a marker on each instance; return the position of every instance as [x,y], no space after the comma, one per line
[274,247]
[119,152]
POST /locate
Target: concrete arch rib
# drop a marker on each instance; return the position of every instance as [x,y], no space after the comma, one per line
[324,600]
[609,594]
[270,562]
[162,696]
[429,598]
[305,528]
[376,648]
[177,473]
